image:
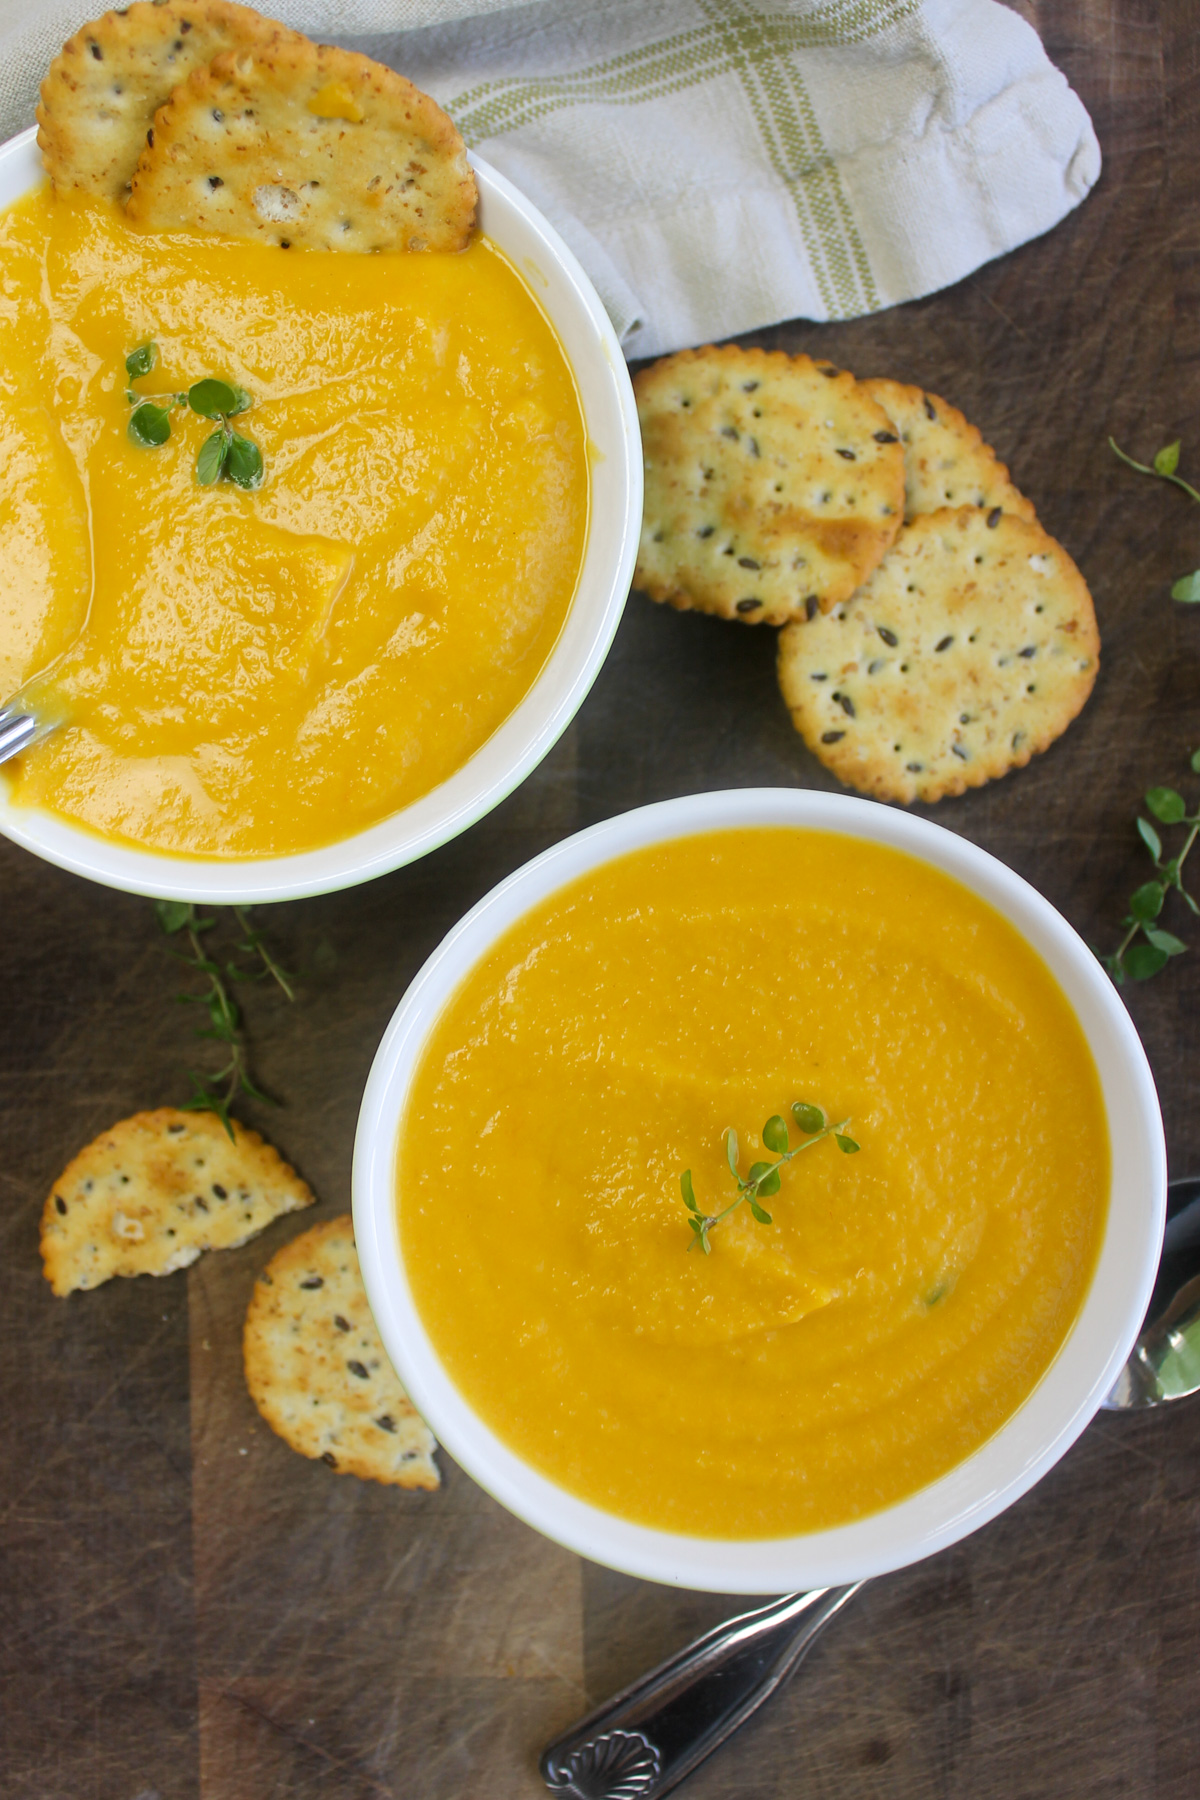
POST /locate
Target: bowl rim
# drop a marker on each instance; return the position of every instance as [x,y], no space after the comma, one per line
[530,731]
[1008,1463]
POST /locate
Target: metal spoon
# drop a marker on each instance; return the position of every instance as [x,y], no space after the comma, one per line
[646,1739]
[19,728]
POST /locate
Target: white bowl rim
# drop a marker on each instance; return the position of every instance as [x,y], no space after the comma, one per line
[529,732]
[1008,1463]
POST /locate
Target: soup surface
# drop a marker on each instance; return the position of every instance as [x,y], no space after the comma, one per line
[905,1300]
[247,673]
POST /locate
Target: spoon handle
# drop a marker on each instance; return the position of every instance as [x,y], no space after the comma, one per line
[17,732]
[642,1742]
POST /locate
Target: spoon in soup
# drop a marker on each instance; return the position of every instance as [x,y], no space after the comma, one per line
[20,727]
[646,1739]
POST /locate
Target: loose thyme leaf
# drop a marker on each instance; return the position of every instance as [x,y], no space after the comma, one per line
[1150,838]
[211,459]
[141,361]
[1166,805]
[1187,587]
[1144,960]
[775,1135]
[689,1195]
[1167,460]
[731,1153]
[808,1118]
[845,1144]
[213,399]
[1147,902]
[244,463]
[1164,940]
[149,425]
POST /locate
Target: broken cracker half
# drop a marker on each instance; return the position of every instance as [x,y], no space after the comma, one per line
[317,1371]
[102,90]
[148,1196]
[309,147]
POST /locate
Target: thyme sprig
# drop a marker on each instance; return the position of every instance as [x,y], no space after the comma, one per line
[182,920]
[1164,468]
[225,453]
[1146,947]
[763,1178]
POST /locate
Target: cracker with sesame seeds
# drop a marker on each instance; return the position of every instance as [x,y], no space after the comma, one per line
[309,147]
[317,1371]
[102,90]
[946,462]
[148,1196]
[971,648]
[774,484]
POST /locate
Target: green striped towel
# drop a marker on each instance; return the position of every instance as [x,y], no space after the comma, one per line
[718,165]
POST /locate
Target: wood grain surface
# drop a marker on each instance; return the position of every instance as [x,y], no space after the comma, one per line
[190,1610]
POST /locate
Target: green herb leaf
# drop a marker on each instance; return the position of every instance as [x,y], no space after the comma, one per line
[689,1196]
[1194,759]
[213,399]
[775,1134]
[1146,904]
[731,1152]
[758,1170]
[1187,588]
[141,361]
[1166,805]
[241,400]
[1144,960]
[1167,460]
[769,1183]
[149,425]
[244,463]
[211,459]
[808,1118]
[1164,940]
[1150,838]
[172,915]
[760,1213]
[845,1144]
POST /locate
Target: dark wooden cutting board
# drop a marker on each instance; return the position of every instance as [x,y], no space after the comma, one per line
[189,1609]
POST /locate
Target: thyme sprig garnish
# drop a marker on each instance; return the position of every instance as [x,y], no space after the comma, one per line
[182,919]
[763,1178]
[226,452]
[1164,468]
[1146,947]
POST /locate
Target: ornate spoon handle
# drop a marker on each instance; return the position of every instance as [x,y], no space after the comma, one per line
[643,1741]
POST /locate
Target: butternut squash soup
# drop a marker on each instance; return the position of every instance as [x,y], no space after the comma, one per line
[905,1299]
[254,670]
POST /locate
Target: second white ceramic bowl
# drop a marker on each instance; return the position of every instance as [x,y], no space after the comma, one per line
[1003,1468]
[615,514]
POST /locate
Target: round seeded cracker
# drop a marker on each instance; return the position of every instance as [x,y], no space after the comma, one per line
[970,649]
[309,147]
[148,1196]
[946,462]
[317,1371]
[102,90]
[774,484]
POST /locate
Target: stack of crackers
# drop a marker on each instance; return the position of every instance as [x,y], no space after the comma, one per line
[207,117]
[934,635]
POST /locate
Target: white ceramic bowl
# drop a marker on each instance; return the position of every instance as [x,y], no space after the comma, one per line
[610,417]
[1007,1464]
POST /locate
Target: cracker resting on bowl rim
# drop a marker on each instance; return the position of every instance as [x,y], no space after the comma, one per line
[306,146]
[148,1196]
[317,1371]
[102,90]
[970,649]
[774,484]
[946,462]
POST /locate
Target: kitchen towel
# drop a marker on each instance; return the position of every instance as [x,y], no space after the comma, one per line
[719,165]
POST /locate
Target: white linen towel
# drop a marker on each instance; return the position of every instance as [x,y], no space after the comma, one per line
[719,165]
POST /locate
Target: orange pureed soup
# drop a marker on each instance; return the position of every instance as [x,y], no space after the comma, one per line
[253,673]
[905,1300]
